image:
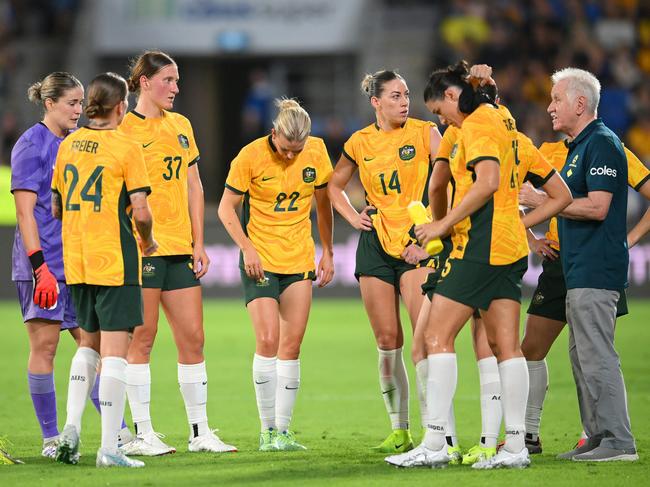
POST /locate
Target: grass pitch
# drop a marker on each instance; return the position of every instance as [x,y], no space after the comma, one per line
[339,413]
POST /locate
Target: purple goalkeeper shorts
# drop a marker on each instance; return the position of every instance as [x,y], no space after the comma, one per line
[63,312]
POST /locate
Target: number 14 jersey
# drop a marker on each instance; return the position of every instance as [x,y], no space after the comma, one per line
[95,172]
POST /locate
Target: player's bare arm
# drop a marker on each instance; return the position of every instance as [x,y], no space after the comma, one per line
[200,258]
[343,172]
[57,206]
[143,222]
[558,197]
[325,269]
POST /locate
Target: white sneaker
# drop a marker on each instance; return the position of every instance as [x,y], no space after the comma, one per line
[124,436]
[67,448]
[505,459]
[209,442]
[49,447]
[107,458]
[420,456]
[147,444]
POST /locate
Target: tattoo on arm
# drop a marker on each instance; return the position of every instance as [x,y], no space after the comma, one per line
[56,206]
[141,214]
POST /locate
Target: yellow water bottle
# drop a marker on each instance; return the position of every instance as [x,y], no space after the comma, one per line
[418,214]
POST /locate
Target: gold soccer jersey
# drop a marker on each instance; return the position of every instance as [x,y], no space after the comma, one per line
[95,172]
[169,150]
[277,201]
[494,234]
[637,173]
[394,170]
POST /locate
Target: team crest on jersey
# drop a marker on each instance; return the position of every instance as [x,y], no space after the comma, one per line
[184,141]
[574,161]
[148,270]
[407,152]
[309,174]
[538,298]
[454,150]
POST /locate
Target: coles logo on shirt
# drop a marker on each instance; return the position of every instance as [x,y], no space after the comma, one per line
[603,171]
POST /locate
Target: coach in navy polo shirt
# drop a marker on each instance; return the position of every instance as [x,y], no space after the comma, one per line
[595,261]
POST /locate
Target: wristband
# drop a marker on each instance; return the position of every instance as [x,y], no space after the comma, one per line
[36,259]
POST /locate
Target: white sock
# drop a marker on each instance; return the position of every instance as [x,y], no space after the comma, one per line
[265,379]
[138,390]
[514,395]
[193,381]
[441,386]
[83,371]
[491,411]
[394,387]
[450,432]
[538,385]
[112,396]
[421,373]
[288,384]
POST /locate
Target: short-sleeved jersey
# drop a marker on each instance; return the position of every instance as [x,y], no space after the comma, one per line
[278,199]
[637,173]
[32,164]
[95,172]
[394,170]
[493,234]
[169,150]
[533,166]
[594,253]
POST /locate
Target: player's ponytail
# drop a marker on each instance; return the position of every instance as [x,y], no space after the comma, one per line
[147,64]
[105,91]
[373,84]
[52,87]
[293,121]
[457,75]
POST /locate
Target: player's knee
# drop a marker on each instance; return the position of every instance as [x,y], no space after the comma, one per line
[532,350]
[389,340]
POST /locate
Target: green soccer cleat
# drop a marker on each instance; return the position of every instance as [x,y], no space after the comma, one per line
[267,440]
[399,441]
[286,441]
[478,453]
[455,455]
[5,457]
[67,450]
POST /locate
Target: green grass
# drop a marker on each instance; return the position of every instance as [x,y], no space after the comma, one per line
[339,413]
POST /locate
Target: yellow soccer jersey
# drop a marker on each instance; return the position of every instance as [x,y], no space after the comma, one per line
[447,143]
[169,150]
[278,199]
[95,172]
[637,173]
[394,170]
[494,234]
[533,166]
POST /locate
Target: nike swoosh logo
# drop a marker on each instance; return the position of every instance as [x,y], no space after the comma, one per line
[389,391]
[398,446]
[144,146]
[266,179]
[368,159]
[290,388]
[263,382]
[204,383]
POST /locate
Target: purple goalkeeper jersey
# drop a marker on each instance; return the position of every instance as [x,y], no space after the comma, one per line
[32,165]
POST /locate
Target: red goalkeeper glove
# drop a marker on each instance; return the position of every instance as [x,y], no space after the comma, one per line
[46,289]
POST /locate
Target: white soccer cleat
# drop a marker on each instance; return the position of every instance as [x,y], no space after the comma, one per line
[49,447]
[67,448]
[107,458]
[209,442]
[148,445]
[420,456]
[505,459]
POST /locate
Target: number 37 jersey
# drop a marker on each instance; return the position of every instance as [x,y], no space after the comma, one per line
[169,150]
[95,172]
[278,199]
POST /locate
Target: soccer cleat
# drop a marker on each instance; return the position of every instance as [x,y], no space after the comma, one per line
[267,440]
[577,450]
[399,441]
[5,457]
[147,445]
[455,455]
[209,442]
[286,441]
[604,454]
[478,453]
[107,458]
[581,442]
[504,459]
[420,456]
[49,447]
[533,445]
[67,451]
[124,436]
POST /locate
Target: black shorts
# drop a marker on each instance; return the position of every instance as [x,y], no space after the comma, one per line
[107,308]
[373,261]
[168,272]
[273,284]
